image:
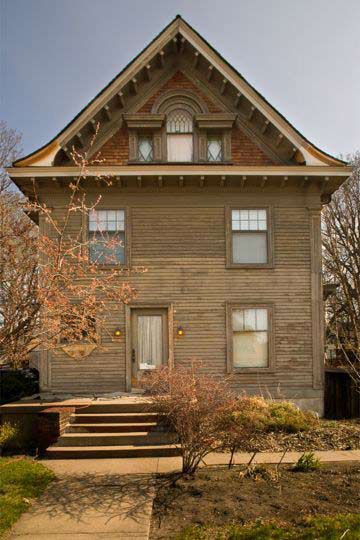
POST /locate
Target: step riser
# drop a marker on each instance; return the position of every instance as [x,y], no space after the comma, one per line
[98,408]
[118,419]
[57,453]
[115,440]
[106,428]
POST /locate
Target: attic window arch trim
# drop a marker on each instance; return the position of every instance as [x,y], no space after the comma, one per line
[179,99]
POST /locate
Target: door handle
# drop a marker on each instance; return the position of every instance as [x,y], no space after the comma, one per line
[133,355]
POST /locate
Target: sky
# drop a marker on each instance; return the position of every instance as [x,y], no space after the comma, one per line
[302,55]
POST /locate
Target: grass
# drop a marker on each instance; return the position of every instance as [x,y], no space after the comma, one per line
[21,481]
[345,526]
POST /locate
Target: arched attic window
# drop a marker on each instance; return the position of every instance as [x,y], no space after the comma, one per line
[179,135]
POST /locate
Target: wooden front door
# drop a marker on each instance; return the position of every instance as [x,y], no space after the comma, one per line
[150,341]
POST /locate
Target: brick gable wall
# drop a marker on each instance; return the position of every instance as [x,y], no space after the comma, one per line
[244,151]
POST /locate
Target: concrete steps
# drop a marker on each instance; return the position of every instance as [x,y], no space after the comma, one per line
[102,430]
[114,439]
[117,418]
[97,452]
[103,427]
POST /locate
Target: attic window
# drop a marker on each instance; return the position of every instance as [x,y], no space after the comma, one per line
[145,149]
[214,148]
[179,128]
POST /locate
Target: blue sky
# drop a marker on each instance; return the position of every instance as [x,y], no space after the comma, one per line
[302,55]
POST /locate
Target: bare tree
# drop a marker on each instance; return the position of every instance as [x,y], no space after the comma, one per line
[341,262]
[52,293]
[10,141]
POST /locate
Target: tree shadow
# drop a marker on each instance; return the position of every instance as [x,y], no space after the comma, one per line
[109,495]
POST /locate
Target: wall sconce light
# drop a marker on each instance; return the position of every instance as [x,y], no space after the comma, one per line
[117,332]
[180,331]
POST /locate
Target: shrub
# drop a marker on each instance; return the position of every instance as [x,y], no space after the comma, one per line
[307,462]
[253,417]
[8,433]
[194,406]
[285,416]
[17,383]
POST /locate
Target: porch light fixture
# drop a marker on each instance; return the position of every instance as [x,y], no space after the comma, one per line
[180,331]
[117,332]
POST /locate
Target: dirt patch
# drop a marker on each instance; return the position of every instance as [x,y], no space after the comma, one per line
[219,496]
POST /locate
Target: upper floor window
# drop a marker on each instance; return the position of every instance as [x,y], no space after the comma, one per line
[214,148]
[145,150]
[249,242]
[179,128]
[107,236]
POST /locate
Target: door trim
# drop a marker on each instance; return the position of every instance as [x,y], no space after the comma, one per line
[148,305]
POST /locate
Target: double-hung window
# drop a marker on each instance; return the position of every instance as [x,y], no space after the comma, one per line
[250,336]
[107,237]
[249,242]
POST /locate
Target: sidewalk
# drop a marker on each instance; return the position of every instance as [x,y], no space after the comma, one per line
[90,506]
[108,499]
[173,464]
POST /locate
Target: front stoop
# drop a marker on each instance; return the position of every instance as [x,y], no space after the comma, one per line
[113,430]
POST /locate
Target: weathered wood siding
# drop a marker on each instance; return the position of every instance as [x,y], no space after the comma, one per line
[179,235]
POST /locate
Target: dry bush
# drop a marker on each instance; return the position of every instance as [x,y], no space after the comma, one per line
[194,406]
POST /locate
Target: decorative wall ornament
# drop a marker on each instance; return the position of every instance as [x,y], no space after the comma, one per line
[77,351]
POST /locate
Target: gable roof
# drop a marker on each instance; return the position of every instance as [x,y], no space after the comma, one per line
[178,26]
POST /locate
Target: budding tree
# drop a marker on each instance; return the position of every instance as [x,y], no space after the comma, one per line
[341,263]
[10,141]
[52,292]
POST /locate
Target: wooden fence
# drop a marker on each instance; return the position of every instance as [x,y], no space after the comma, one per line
[342,396]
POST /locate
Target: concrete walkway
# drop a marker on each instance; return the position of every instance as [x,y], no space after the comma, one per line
[108,499]
[173,464]
[85,505]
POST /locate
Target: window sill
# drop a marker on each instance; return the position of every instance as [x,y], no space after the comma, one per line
[110,266]
[238,371]
[249,266]
[189,163]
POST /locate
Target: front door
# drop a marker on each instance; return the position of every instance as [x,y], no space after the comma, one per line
[149,331]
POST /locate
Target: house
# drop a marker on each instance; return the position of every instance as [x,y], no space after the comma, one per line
[220,198]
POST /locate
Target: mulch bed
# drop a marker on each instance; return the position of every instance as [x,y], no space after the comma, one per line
[220,496]
[329,435]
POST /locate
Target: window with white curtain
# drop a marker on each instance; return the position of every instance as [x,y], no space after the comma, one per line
[179,128]
[249,236]
[250,338]
[150,344]
[107,236]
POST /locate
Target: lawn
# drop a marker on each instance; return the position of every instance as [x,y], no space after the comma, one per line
[21,481]
[222,504]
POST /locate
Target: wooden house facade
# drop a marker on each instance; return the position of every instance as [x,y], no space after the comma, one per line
[220,198]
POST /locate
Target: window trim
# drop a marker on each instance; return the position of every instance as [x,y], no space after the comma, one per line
[233,306]
[229,237]
[127,250]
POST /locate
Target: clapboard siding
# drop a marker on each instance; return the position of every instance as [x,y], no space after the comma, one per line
[179,236]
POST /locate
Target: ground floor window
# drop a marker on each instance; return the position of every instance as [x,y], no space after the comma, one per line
[249,336]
